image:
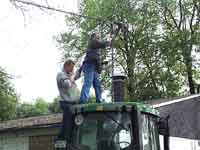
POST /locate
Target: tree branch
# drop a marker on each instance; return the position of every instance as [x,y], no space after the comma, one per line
[172,17]
[181,13]
[165,18]
[51,8]
[198,12]
[123,53]
[192,18]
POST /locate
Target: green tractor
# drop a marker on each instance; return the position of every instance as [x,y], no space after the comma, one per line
[116,126]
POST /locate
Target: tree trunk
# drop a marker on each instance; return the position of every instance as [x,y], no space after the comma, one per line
[130,66]
[190,78]
[188,62]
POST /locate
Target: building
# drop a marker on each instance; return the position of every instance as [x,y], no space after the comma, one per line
[184,120]
[35,133]
[184,115]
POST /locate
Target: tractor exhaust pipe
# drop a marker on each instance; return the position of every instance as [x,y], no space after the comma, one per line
[119,88]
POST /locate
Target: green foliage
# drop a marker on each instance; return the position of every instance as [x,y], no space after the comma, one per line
[54,107]
[180,21]
[153,48]
[8,97]
[40,107]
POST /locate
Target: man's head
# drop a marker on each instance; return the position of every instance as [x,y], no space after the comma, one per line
[94,36]
[69,66]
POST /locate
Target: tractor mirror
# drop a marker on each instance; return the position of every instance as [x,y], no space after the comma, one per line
[163,129]
[163,126]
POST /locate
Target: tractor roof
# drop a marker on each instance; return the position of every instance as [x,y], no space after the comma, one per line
[116,106]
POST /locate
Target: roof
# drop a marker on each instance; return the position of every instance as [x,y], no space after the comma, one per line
[184,116]
[116,106]
[31,122]
[164,102]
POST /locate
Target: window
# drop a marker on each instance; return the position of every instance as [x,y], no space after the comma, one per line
[108,130]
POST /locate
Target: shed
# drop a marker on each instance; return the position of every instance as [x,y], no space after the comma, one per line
[184,115]
[34,133]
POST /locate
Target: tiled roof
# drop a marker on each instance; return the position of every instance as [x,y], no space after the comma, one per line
[31,122]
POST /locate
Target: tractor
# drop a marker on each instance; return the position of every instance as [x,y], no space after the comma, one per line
[116,126]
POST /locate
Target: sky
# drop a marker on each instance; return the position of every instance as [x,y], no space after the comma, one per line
[28,50]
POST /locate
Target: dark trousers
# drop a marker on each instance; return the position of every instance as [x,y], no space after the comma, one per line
[66,127]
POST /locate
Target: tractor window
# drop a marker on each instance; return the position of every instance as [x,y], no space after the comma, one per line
[149,133]
[99,131]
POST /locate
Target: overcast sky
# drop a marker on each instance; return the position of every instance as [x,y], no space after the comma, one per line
[27,48]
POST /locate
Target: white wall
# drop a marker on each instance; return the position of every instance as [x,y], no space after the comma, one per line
[14,143]
[181,144]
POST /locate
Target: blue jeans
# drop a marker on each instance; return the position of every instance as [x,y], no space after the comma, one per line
[91,77]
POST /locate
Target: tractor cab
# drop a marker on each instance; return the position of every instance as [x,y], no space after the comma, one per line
[114,126]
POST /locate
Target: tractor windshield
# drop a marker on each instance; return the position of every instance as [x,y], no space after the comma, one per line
[103,131]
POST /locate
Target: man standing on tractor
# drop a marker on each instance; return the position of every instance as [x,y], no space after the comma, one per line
[92,67]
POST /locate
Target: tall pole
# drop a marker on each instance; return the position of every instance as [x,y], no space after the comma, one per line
[112,74]
[112,59]
[115,32]
[112,49]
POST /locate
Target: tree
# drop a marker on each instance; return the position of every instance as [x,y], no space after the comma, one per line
[181,24]
[40,107]
[54,107]
[8,97]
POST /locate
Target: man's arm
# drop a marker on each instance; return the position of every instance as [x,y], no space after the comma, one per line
[95,44]
[78,74]
[64,81]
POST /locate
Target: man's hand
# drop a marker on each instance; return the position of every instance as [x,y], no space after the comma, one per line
[104,63]
[72,80]
[110,37]
[71,77]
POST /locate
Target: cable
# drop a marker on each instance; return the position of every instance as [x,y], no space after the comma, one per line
[55,9]
[63,11]
[112,52]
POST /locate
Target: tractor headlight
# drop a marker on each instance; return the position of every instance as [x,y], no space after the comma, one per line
[79,119]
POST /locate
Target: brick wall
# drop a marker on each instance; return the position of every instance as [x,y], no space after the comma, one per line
[45,142]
